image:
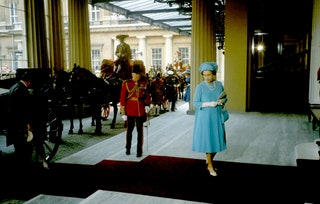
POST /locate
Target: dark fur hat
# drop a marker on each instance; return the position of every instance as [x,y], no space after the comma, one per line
[136,69]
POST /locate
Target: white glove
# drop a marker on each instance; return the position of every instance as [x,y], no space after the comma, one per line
[124,117]
[210,104]
[220,102]
[146,124]
[147,109]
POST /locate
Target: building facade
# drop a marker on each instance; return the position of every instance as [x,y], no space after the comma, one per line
[155,46]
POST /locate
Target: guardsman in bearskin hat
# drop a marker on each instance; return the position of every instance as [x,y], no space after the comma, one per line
[157,89]
[134,106]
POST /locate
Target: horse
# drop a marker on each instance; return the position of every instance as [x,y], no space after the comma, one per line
[60,80]
[85,88]
[114,81]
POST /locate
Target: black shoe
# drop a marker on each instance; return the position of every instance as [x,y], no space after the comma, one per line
[139,154]
[128,152]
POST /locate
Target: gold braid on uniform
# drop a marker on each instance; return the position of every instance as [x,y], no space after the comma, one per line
[131,92]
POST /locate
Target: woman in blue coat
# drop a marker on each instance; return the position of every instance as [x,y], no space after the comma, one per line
[209,131]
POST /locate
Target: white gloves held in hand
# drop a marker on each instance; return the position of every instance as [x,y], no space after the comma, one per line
[124,117]
[147,109]
[210,104]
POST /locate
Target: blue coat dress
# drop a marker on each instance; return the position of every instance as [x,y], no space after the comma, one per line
[209,129]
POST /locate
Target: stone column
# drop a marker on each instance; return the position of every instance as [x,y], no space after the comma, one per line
[168,51]
[115,44]
[143,49]
[203,42]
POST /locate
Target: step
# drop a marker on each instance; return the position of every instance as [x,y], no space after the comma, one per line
[307,151]
[46,199]
[102,196]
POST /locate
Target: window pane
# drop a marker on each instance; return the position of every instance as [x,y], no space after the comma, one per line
[156,60]
[185,55]
[134,54]
[95,12]
[96,59]
[13,13]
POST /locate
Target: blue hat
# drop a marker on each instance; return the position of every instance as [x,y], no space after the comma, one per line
[210,66]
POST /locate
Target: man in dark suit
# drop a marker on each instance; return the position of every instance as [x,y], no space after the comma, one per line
[19,111]
[171,92]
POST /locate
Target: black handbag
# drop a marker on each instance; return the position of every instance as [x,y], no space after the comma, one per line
[224,112]
[224,115]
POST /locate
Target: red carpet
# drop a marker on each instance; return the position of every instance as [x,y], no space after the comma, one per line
[163,176]
[188,179]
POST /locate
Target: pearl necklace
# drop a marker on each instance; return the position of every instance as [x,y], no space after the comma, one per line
[211,86]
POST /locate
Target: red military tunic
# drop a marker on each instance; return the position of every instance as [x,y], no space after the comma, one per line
[134,97]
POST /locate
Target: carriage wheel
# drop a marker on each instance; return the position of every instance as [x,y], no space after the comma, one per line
[53,140]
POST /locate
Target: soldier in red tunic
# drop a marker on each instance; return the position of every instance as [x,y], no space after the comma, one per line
[157,89]
[134,106]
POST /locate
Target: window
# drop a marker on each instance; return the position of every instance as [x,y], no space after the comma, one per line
[13,13]
[95,14]
[13,52]
[95,59]
[185,55]
[134,54]
[156,58]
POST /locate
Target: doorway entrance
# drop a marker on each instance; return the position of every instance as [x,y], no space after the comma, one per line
[279,52]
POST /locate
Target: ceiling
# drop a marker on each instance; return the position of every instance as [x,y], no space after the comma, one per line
[173,15]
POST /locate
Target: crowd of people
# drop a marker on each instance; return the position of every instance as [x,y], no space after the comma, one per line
[167,88]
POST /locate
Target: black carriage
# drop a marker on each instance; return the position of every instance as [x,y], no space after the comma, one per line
[43,103]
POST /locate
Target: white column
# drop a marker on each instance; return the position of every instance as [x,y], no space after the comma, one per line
[142,49]
[115,44]
[220,62]
[168,52]
[315,52]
